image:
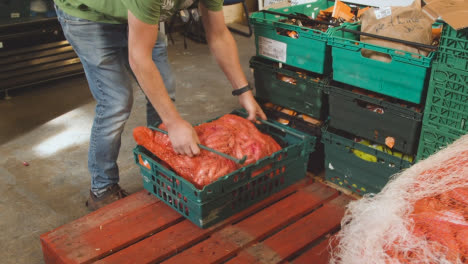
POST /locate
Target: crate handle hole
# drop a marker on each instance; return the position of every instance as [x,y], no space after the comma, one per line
[375,55]
[287,33]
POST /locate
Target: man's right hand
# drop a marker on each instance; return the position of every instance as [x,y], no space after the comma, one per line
[183,137]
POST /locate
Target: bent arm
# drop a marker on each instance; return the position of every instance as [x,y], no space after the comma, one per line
[224,48]
[141,40]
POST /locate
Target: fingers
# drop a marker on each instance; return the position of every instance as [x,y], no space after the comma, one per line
[195,149]
[261,113]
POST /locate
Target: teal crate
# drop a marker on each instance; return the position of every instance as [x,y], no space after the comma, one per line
[348,112]
[236,191]
[344,168]
[447,99]
[306,96]
[434,139]
[309,52]
[405,77]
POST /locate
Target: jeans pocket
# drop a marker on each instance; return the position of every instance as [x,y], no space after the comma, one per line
[72,20]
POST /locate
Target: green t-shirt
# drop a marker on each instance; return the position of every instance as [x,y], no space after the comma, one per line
[115,11]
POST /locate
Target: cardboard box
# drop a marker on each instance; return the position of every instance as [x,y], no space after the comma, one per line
[453,12]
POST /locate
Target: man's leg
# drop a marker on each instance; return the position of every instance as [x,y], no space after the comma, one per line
[162,62]
[102,49]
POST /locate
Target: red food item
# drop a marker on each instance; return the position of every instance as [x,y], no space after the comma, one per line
[229,134]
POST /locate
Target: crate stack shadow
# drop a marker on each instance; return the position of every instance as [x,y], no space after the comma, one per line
[368,113]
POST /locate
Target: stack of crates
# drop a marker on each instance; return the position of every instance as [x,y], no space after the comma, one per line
[372,110]
[375,112]
[446,112]
[291,72]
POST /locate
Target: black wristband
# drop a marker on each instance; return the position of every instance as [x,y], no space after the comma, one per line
[242,90]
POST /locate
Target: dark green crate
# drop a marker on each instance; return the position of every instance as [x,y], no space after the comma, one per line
[344,168]
[434,139]
[447,99]
[12,9]
[405,77]
[306,96]
[235,191]
[309,52]
[348,112]
[316,158]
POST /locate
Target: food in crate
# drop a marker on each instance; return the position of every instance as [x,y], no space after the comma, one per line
[371,158]
[334,15]
[230,134]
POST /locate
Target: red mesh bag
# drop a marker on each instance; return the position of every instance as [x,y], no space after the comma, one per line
[230,134]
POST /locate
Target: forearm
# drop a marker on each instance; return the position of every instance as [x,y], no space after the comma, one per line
[224,48]
[151,82]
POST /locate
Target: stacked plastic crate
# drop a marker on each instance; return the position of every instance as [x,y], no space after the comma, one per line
[291,69]
[375,111]
[446,112]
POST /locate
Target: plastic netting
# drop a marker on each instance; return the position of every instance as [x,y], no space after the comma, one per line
[230,134]
[421,216]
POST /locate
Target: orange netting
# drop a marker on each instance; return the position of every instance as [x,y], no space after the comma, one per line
[230,134]
[421,216]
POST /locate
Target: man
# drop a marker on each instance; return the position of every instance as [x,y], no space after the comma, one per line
[108,35]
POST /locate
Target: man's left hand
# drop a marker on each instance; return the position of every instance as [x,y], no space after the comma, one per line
[250,104]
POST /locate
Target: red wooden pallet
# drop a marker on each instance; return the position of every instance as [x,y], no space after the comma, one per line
[292,226]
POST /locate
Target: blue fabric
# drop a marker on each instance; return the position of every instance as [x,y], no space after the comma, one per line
[103,51]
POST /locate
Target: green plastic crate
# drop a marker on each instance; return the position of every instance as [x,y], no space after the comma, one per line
[306,96]
[348,112]
[405,77]
[316,158]
[12,9]
[447,99]
[453,48]
[235,191]
[434,139]
[344,168]
[309,52]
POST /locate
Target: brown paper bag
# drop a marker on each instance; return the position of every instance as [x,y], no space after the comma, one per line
[406,23]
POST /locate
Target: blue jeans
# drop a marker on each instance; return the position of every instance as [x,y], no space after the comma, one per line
[103,51]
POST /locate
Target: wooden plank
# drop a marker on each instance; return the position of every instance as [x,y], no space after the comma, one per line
[305,231]
[16,52]
[9,63]
[296,237]
[107,229]
[184,234]
[318,254]
[46,64]
[38,77]
[227,242]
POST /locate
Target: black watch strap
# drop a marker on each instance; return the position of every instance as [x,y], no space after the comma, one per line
[242,90]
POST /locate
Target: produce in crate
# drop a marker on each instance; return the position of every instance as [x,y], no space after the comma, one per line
[230,134]
[421,216]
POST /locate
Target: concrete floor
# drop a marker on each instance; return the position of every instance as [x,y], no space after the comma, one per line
[48,127]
